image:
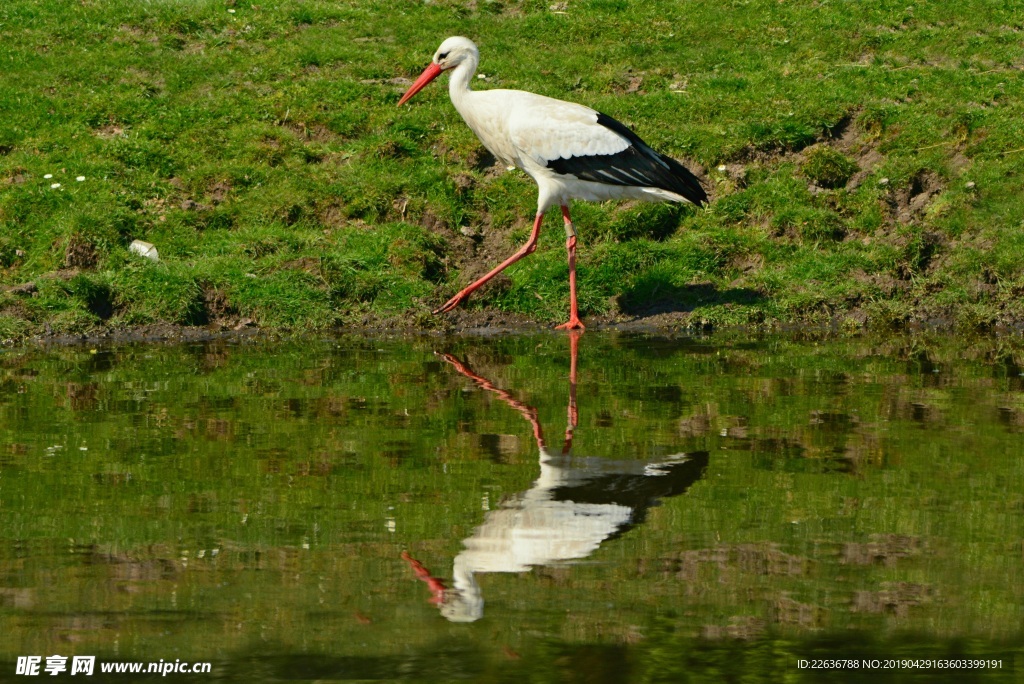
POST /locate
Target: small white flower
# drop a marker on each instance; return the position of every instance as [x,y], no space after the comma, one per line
[49,175]
[54,186]
[722,167]
[80,178]
[231,11]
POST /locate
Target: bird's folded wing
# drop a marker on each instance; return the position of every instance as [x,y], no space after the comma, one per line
[572,140]
[545,130]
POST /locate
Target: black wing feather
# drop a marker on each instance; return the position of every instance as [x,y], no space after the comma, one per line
[637,165]
[638,492]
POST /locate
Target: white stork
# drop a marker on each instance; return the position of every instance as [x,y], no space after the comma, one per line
[574,505]
[571,151]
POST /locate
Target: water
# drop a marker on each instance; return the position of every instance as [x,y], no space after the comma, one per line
[486,510]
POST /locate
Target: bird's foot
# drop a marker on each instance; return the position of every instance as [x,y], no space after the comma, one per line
[451,303]
[573,323]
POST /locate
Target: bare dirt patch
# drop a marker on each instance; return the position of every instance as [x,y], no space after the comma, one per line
[218,313]
[311,132]
[80,253]
[192,205]
[882,549]
[895,598]
[333,215]
[109,132]
[13,176]
[475,255]
[218,191]
[909,202]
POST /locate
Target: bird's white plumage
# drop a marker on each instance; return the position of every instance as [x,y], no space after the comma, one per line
[544,129]
[527,130]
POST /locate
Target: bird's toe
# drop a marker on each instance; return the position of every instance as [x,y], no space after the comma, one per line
[449,305]
[572,324]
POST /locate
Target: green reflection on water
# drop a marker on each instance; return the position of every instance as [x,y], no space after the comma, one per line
[248,504]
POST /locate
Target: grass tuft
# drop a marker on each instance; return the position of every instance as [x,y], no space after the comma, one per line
[827,167]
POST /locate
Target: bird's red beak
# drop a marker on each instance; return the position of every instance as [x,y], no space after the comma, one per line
[428,75]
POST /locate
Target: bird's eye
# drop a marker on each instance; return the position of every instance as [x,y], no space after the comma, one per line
[443,55]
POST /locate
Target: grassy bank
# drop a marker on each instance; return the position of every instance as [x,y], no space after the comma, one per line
[864,160]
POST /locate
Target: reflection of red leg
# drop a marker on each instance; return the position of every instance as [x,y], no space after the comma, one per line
[530,245]
[437,587]
[570,245]
[574,347]
[528,411]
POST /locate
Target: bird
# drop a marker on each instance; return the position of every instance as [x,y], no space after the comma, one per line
[575,505]
[571,151]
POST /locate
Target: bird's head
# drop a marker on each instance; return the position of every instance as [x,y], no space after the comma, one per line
[452,52]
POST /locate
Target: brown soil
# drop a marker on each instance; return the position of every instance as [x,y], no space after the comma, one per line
[80,253]
[223,322]
[109,131]
[157,332]
[218,191]
[908,203]
[226,324]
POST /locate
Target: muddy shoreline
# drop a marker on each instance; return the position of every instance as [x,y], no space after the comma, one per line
[488,323]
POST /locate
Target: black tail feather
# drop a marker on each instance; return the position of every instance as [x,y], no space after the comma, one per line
[691,188]
[638,164]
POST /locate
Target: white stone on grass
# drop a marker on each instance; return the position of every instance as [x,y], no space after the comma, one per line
[145,249]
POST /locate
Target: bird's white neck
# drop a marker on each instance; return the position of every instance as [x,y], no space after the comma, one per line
[465,602]
[459,80]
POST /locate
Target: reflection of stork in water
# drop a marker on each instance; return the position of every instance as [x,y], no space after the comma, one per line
[573,506]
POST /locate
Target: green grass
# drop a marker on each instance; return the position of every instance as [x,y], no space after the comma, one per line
[863,158]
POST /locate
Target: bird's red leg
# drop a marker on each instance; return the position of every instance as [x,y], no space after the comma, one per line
[570,245]
[529,412]
[529,247]
[437,587]
[574,347]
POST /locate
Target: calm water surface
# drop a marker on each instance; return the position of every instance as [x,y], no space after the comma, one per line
[549,508]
